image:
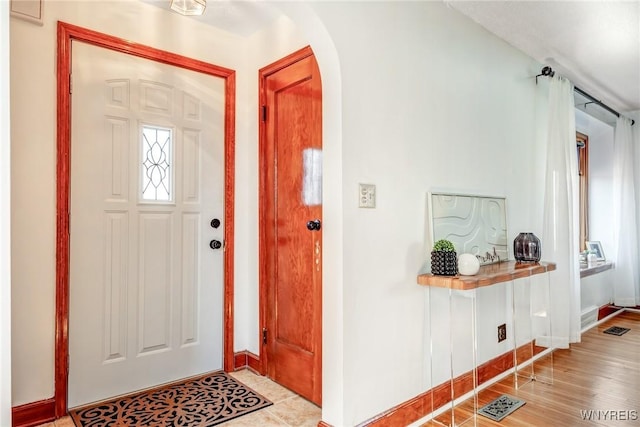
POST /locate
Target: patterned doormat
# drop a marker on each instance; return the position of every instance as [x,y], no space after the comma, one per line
[616,330]
[501,407]
[205,401]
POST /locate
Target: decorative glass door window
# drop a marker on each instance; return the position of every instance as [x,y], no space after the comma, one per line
[155,164]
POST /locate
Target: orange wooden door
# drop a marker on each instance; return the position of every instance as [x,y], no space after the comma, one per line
[290,227]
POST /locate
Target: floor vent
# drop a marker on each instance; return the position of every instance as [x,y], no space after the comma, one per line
[616,330]
[501,407]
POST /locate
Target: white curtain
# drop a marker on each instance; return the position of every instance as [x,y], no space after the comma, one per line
[560,233]
[625,273]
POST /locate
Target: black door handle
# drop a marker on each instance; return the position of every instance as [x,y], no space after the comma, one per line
[215,244]
[215,223]
[314,225]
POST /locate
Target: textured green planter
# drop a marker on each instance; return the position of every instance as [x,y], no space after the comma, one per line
[444,263]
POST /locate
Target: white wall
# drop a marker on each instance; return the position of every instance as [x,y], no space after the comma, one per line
[5,226]
[596,290]
[429,100]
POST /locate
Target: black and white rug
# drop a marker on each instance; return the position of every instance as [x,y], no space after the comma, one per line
[205,401]
[501,407]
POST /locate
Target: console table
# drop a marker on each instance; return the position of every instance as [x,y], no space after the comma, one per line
[488,275]
[460,293]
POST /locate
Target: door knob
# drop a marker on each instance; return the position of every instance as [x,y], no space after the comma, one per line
[215,223]
[215,244]
[314,225]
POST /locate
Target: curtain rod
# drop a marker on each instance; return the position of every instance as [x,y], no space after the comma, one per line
[547,71]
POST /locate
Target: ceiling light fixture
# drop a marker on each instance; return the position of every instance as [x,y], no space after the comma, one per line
[189,7]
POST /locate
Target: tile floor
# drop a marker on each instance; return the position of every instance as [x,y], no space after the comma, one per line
[288,409]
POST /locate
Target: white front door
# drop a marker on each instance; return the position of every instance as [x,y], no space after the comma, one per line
[147,179]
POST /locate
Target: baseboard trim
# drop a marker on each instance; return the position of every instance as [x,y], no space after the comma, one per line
[423,404]
[246,359]
[407,412]
[239,360]
[323,424]
[33,414]
[607,310]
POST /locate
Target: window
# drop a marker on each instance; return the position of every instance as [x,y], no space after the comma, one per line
[582,142]
[155,164]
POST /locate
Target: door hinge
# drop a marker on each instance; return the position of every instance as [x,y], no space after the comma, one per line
[264,335]
[70,83]
[263,113]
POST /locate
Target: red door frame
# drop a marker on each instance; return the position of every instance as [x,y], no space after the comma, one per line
[66,34]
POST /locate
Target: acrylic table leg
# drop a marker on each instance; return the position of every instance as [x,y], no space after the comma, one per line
[543,360]
[523,334]
[459,390]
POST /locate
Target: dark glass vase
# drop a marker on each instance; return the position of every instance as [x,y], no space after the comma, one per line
[444,263]
[527,248]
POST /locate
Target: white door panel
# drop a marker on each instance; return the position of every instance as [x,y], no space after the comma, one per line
[146,291]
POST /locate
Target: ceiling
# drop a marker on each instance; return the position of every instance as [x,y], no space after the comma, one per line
[239,17]
[596,44]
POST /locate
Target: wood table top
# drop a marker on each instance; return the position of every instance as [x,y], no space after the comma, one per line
[490,274]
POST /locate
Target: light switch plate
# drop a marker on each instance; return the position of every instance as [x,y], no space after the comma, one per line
[367,196]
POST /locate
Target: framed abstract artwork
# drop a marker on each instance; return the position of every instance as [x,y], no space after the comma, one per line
[474,224]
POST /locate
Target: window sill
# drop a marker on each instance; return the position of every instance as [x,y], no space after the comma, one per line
[595,268]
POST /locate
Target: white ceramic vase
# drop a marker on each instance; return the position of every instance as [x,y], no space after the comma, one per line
[468,265]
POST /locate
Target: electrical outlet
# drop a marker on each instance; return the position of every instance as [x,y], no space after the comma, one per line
[502,332]
[367,196]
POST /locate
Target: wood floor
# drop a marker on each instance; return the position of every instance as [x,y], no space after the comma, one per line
[601,374]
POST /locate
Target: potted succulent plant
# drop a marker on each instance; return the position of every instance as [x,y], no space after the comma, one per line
[444,261]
